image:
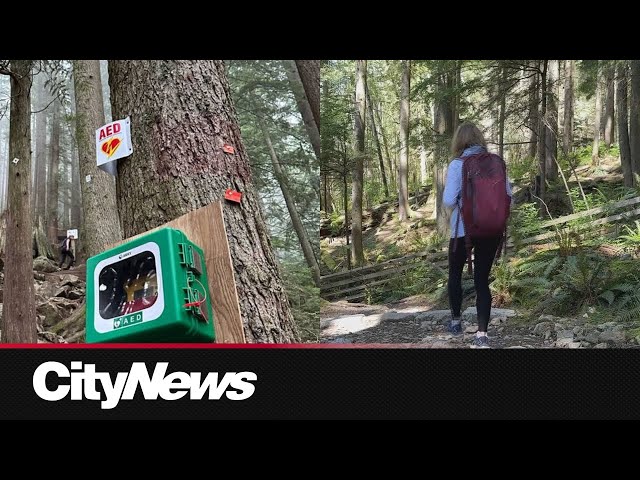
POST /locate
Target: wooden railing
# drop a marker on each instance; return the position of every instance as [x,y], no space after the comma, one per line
[352,284]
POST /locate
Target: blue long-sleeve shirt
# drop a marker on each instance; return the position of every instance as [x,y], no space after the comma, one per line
[453,189]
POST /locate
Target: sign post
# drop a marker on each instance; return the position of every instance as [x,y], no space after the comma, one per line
[113,141]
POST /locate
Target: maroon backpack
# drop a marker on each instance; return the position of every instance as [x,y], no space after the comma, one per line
[486,205]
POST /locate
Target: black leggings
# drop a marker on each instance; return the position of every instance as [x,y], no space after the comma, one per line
[484,250]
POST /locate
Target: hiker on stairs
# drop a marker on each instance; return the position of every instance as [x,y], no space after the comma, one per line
[477,189]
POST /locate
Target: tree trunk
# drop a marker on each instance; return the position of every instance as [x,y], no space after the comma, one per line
[376,139]
[41,243]
[503,106]
[542,132]
[76,194]
[52,191]
[404,210]
[595,151]
[385,143]
[181,116]
[623,127]
[40,172]
[301,232]
[442,124]
[567,133]
[101,226]
[551,143]
[19,311]
[304,106]
[609,111]
[309,71]
[358,169]
[345,200]
[634,117]
[534,104]
[423,165]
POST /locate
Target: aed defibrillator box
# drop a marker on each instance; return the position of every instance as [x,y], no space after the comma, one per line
[150,289]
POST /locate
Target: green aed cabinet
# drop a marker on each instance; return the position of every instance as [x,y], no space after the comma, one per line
[151,289]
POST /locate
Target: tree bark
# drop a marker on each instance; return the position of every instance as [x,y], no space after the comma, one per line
[534,104]
[542,131]
[385,143]
[503,106]
[76,194]
[634,117]
[623,127]
[595,151]
[609,110]
[181,116]
[404,210]
[301,232]
[309,71]
[52,191]
[19,311]
[442,123]
[304,106]
[101,226]
[358,169]
[40,172]
[376,139]
[551,143]
[567,133]
[423,165]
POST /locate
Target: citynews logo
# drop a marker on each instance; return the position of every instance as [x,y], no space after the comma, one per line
[83,381]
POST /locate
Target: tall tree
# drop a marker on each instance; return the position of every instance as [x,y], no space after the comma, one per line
[595,151]
[19,311]
[404,210]
[182,116]
[551,143]
[503,108]
[304,106]
[609,110]
[52,190]
[534,105]
[309,71]
[301,232]
[358,170]
[443,116]
[40,173]
[634,116]
[623,126]
[376,139]
[100,214]
[567,133]
[542,130]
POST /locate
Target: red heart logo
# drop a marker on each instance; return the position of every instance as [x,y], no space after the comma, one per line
[110,146]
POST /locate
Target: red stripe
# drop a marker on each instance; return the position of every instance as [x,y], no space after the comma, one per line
[154,346]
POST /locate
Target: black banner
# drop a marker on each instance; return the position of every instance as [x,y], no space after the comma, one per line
[318,383]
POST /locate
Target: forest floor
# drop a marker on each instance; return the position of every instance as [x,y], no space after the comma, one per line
[412,322]
[60,296]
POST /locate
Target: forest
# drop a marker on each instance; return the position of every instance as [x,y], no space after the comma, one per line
[179,110]
[569,132]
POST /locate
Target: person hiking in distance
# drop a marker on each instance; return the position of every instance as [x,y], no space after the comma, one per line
[477,189]
[66,250]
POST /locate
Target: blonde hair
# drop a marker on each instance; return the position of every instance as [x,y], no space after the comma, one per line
[466,135]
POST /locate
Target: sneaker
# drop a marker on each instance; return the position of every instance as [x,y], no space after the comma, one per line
[480,342]
[455,329]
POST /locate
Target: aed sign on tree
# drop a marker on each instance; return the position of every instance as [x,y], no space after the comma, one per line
[113,141]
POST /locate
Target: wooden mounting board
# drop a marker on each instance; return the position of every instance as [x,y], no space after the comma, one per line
[205,227]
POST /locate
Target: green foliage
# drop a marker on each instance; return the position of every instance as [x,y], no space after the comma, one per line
[632,238]
[304,298]
[523,168]
[432,243]
[524,220]
[424,279]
